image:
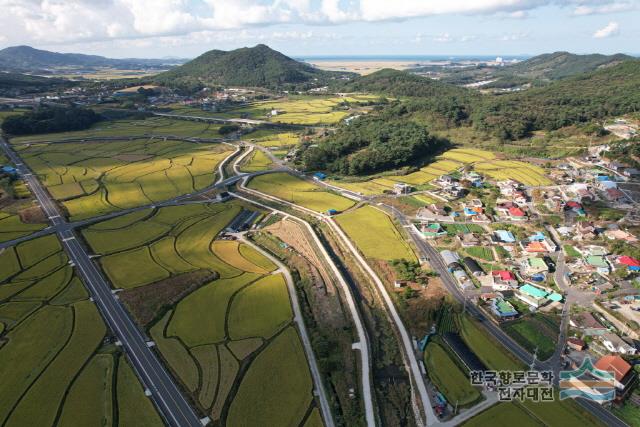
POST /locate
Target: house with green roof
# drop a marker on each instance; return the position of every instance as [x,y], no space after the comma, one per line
[532,295]
[534,265]
[433,230]
[598,263]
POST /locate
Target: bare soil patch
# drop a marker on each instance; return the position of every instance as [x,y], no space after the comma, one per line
[146,303]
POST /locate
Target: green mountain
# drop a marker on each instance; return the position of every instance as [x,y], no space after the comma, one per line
[606,92]
[559,65]
[258,66]
[29,59]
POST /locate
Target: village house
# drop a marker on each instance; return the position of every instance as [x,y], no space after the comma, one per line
[632,264]
[617,234]
[503,309]
[503,280]
[534,265]
[432,230]
[624,375]
[615,195]
[576,343]
[615,344]
[400,188]
[504,236]
[508,187]
[585,230]
[587,324]
[469,239]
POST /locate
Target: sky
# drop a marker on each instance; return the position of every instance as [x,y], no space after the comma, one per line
[305,28]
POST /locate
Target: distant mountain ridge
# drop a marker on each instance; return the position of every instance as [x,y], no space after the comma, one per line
[258,66]
[559,65]
[29,59]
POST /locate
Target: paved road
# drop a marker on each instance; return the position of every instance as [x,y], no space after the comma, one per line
[363,345]
[450,283]
[164,391]
[304,336]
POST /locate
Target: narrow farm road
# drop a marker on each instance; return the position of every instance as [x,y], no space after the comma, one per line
[304,336]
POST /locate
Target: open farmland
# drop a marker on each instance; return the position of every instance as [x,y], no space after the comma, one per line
[53,362]
[448,162]
[94,178]
[12,227]
[273,139]
[300,192]
[154,126]
[525,173]
[488,350]
[375,234]
[258,161]
[299,110]
[448,377]
[533,333]
[504,415]
[230,340]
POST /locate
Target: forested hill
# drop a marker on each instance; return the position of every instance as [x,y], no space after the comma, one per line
[559,65]
[402,83]
[582,98]
[29,59]
[258,66]
[14,84]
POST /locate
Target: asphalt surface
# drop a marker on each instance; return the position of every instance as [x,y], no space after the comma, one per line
[167,396]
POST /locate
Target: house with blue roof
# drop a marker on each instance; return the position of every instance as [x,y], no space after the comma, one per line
[505,236]
[319,176]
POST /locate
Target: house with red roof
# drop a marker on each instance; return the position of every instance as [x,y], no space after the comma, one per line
[503,280]
[631,263]
[517,214]
[625,377]
[614,195]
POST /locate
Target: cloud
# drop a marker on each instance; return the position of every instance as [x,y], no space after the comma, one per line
[610,30]
[601,9]
[74,21]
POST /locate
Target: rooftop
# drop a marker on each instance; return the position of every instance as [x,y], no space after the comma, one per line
[615,364]
[533,291]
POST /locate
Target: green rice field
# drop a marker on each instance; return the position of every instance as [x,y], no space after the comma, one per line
[375,234]
[231,341]
[11,227]
[54,366]
[154,126]
[94,178]
[298,191]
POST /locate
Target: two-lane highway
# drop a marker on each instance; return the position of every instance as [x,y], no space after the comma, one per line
[166,394]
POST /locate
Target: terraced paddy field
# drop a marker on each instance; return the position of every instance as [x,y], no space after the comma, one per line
[12,227]
[94,178]
[153,126]
[484,162]
[488,350]
[522,172]
[300,110]
[258,161]
[231,340]
[54,366]
[375,234]
[298,191]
